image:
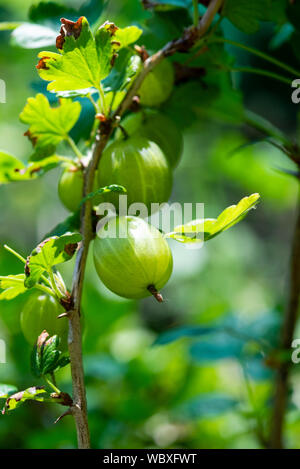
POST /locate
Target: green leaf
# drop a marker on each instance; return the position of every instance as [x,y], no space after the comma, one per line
[46,356]
[33,36]
[84,59]
[8,167]
[125,69]
[218,346]
[128,35]
[13,170]
[6,390]
[180,332]
[245,14]
[201,230]
[15,400]
[9,25]
[47,125]
[50,252]
[103,190]
[12,286]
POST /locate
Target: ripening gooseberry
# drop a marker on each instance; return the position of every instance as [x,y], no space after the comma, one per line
[132,258]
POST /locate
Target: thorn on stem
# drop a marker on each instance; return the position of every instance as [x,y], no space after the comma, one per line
[63,315]
[68,412]
[158,296]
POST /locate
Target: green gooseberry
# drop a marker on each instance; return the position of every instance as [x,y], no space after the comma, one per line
[132,258]
[40,313]
[70,188]
[158,128]
[158,84]
[141,167]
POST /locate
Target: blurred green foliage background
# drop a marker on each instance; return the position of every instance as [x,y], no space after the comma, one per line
[194,392]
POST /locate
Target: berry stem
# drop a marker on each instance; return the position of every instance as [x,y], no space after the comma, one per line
[52,385]
[124,132]
[74,147]
[158,296]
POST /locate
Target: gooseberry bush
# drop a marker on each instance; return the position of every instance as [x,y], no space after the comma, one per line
[132,147]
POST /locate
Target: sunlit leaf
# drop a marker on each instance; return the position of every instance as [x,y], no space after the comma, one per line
[49,125]
[205,229]
[13,170]
[9,25]
[15,400]
[84,59]
[8,167]
[50,252]
[12,286]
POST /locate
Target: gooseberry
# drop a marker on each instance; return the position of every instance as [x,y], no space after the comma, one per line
[70,188]
[158,84]
[40,313]
[141,167]
[158,128]
[132,258]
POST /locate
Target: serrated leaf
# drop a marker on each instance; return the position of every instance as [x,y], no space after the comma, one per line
[15,400]
[206,229]
[84,59]
[49,125]
[12,286]
[49,253]
[6,390]
[245,14]
[33,36]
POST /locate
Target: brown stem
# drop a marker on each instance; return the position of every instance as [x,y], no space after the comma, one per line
[287,333]
[79,408]
[158,296]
